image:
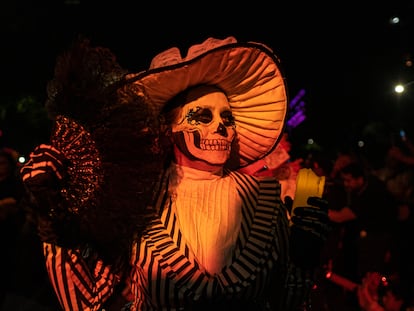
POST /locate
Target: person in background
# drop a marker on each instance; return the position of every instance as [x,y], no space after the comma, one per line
[376,292]
[379,293]
[398,174]
[11,216]
[369,219]
[337,196]
[213,238]
[11,188]
[402,149]
[332,256]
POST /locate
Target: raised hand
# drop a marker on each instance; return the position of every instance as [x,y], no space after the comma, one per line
[309,230]
[46,167]
[43,176]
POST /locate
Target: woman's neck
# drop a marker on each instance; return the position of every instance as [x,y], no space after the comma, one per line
[182,160]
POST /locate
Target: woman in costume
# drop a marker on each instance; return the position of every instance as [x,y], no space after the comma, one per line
[194,233]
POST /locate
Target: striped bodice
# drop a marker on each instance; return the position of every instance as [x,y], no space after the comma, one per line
[167,276]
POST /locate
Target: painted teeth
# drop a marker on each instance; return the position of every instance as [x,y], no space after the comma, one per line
[215,144]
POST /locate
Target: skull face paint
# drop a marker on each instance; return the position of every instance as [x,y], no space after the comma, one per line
[205,128]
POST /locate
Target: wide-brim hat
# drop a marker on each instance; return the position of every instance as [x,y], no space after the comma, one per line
[248,72]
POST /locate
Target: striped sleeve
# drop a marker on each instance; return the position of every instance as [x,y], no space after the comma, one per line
[77,285]
[291,285]
[298,282]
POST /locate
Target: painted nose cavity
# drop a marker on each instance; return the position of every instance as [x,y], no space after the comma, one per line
[221,129]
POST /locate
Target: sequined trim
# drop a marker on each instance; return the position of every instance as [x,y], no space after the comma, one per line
[85,169]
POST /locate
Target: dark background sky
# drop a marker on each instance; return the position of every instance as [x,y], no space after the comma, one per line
[345,55]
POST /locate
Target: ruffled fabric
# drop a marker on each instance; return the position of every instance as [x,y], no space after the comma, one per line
[169,267]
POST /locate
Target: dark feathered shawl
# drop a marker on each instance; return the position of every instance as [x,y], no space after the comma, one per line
[109,136]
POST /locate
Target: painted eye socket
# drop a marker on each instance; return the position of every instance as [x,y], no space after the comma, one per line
[202,116]
[205,116]
[228,119]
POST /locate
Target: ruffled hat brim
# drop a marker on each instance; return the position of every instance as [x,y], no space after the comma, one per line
[250,75]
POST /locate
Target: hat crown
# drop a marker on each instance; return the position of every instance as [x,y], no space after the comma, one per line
[173,56]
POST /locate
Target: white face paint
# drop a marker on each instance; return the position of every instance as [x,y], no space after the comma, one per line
[205,129]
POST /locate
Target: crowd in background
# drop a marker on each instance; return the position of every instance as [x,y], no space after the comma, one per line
[371,197]
[367,263]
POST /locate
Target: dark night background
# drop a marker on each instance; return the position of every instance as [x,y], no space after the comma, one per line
[346,55]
